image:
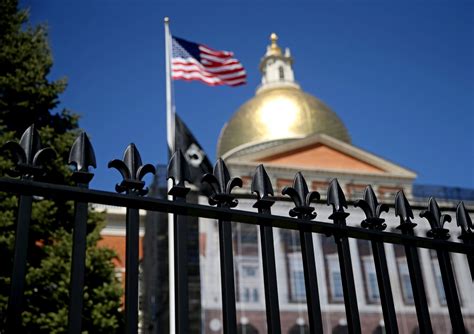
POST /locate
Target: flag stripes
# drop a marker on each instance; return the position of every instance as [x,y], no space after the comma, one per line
[192,61]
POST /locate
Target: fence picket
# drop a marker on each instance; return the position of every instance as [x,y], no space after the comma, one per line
[262,186]
[28,153]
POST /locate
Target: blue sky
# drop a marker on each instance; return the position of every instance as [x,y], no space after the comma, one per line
[399,74]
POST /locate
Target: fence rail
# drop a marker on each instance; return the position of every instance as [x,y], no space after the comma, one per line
[130,195]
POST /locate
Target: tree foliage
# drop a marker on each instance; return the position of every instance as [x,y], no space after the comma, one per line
[28,96]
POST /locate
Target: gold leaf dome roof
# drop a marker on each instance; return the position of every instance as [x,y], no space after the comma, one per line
[279,113]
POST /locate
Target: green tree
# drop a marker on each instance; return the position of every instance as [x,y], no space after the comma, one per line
[28,96]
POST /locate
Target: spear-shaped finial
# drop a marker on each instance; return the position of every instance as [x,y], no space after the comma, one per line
[302,198]
[82,156]
[336,197]
[436,220]
[404,211]
[132,170]
[178,171]
[372,210]
[28,154]
[464,221]
[221,185]
[262,186]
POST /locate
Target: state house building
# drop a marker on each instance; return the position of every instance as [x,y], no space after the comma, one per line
[289,130]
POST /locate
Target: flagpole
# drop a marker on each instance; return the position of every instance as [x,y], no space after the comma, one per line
[170,136]
[169,102]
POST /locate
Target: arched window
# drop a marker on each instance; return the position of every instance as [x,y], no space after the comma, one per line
[379,330]
[340,329]
[299,329]
[281,72]
[246,329]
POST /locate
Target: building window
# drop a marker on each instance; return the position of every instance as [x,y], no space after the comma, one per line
[249,271]
[340,329]
[438,281]
[355,191]
[281,73]
[297,287]
[282,183]
[372,289]
[380,329]
[246,234]
[405,281]
[291,241]
[246,329]
[249,295]
[255,295]
[248,279]
[299,329]
[321,187]
[119,273]
[389,193]
[246,296]
[335,278]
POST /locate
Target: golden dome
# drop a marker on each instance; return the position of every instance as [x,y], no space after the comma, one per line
[279,113]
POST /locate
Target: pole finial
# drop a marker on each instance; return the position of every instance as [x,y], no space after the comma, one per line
[166,19]
[274,48]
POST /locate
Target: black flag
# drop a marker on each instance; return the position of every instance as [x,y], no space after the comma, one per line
[199,163]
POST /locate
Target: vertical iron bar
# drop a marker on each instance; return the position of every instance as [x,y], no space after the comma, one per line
[269,276]
[19,265]
[452,299]
[383,280]
[468,239]
[131,271]
[181,271]
[464,221]
[77,268]
[418,287]
[311,283]
[347,275]
[227,276]
[470,261]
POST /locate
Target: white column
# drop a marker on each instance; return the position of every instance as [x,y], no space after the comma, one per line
[320,270]
[465,285]
[393,274]
[429,279]
[358,275]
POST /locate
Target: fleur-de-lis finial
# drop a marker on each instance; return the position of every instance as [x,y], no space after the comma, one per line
[178,171]
[132,170]
[262,186]
[336,198]
[221,185]
[404,211]
[82,156]
[302,198]
[436,220]
[463,220]
[28,154]
[372,210]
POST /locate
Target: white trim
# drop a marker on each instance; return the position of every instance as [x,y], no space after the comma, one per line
[118,231]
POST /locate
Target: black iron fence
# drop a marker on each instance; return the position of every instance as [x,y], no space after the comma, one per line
[31,157]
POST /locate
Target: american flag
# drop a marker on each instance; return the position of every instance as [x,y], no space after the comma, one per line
[192,61]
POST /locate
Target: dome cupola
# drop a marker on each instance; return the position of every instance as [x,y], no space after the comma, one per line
[280,111]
